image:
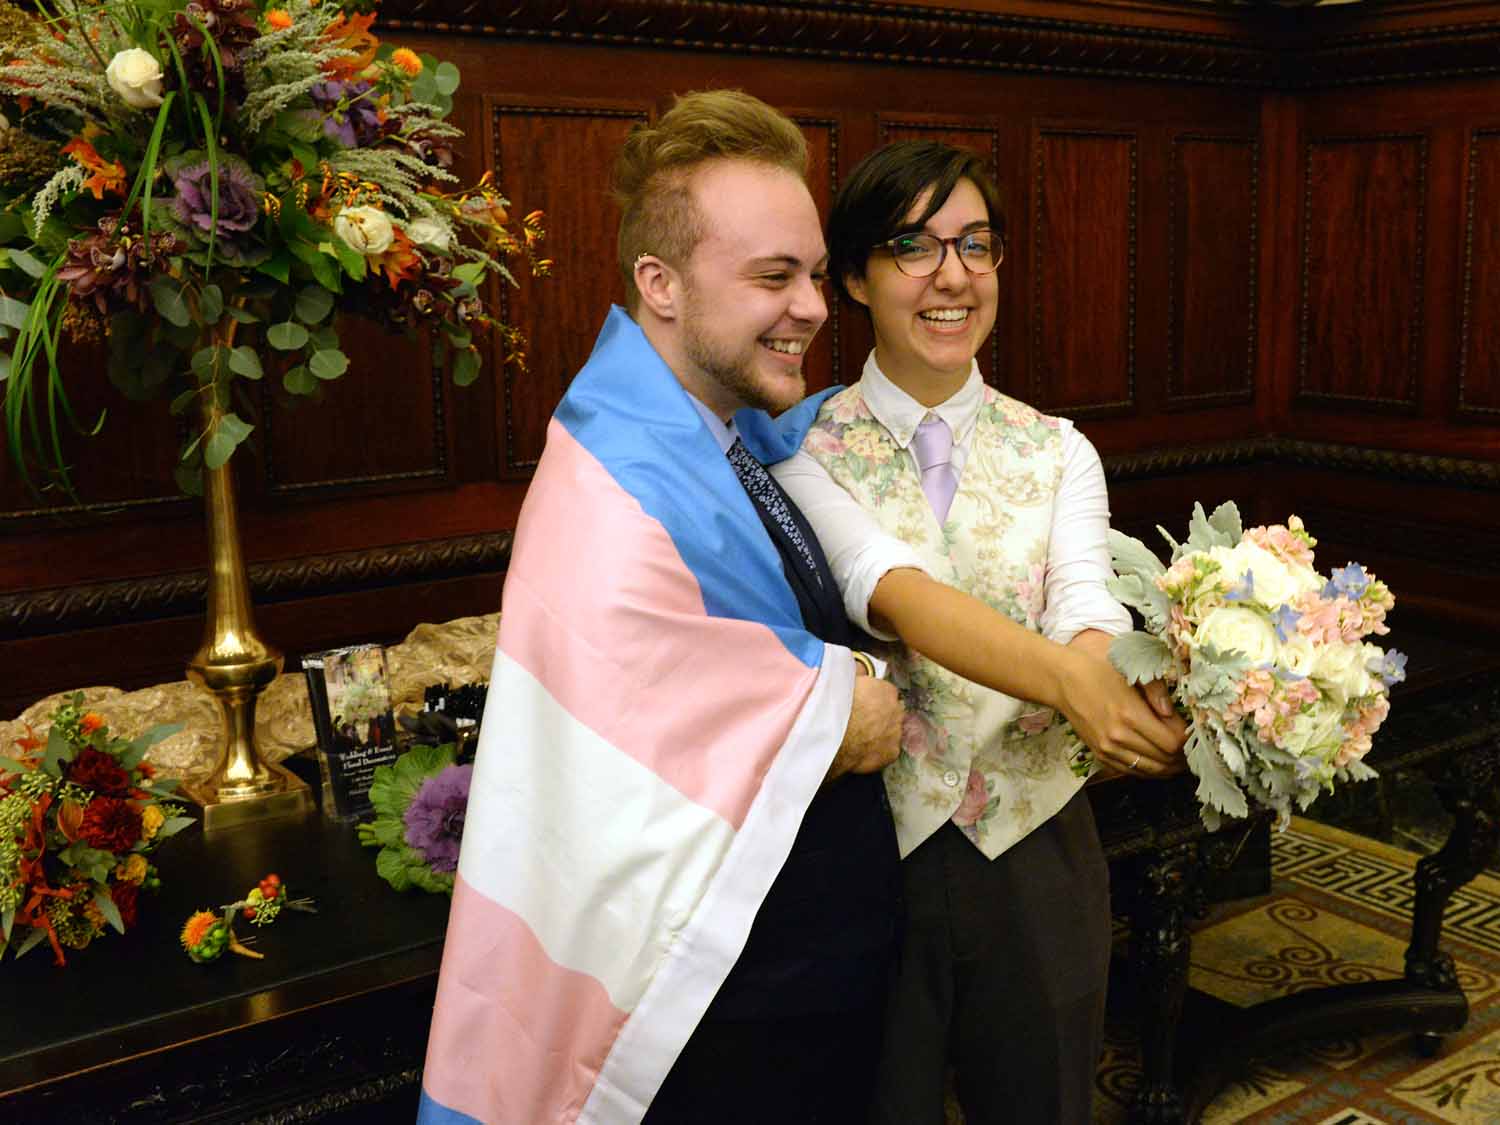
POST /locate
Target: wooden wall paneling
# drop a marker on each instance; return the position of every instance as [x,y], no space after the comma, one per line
[1479,324]
[127,465]
[556,156]
[1363,238]
[1083,269]
[824,363]
[1213,198]
[984,138]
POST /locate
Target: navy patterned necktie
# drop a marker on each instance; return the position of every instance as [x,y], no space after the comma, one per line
[767,496]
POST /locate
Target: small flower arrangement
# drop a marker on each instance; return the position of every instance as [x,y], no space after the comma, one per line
[1265,657]
[205,183]
[419,803]
[79,815]
[208,934]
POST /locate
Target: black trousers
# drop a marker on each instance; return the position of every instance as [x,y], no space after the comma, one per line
[803,1070]
[1002,974]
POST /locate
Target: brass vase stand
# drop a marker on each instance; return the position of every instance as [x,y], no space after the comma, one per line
[235,665]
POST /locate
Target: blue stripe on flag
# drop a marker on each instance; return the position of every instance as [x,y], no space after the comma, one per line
[628,410]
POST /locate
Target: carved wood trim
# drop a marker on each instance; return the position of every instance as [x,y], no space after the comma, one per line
[113,603]
[832,325]
[1038,200]
[1455,50]
[1466,307]
[1246,392]
[1414,357]
[860,31]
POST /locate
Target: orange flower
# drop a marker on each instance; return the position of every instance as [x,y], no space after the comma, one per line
[197,928]
[109,175]
[92,721]
[279,18]
[407,62]
[351,34]
[400,262]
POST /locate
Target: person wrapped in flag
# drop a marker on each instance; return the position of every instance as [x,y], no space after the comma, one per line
[677,896]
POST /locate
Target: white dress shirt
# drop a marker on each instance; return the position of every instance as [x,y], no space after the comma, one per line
[860,553]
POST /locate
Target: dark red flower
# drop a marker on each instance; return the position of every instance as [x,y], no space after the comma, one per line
[111,824]
[96,770]
[126,895]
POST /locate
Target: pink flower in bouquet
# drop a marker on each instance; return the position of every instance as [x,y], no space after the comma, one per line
[1291,544]
[976,796]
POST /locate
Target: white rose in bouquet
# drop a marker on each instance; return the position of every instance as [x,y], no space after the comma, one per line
[429,232]
[1341,668]
[1316,733]
[1297,655]
[136,76]
[1273,582]
[1231,628]
[367,230]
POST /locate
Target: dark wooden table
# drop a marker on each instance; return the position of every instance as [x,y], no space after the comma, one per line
[331,1025]
[1445,721]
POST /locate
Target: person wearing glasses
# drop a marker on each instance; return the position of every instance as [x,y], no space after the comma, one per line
[968,530]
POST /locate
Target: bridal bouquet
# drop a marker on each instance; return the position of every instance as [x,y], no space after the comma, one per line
[1265,657]
[80,812]
[206,184]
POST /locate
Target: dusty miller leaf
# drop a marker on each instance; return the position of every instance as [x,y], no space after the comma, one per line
[1140,657]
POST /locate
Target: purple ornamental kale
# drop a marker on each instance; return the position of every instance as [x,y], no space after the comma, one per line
[351,117]
[435,818]
[239,207]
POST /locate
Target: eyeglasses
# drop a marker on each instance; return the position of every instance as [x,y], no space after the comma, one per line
[922,255]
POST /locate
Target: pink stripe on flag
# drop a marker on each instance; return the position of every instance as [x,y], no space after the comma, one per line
[506,1014]
[623,643]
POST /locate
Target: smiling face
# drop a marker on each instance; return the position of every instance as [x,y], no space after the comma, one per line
[752,292]
[928,329]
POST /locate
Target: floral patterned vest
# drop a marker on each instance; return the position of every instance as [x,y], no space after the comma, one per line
[996,766]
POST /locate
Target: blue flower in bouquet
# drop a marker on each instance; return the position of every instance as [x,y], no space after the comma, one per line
[1349,581]
[435,818]
[1389,667]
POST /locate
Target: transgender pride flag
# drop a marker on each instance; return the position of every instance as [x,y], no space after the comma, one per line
[657,723]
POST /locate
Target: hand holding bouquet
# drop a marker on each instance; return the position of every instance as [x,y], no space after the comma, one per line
[1265,657]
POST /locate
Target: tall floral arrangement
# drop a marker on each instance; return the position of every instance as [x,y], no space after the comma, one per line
[204,183]
[80,814]
[1268,659]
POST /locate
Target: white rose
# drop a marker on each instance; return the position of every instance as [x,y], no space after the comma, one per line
[1342,668]
[136,76]
[429,232]
[1317,732]
[1243,630]
[1297,655]
[1275,582]
[366,229]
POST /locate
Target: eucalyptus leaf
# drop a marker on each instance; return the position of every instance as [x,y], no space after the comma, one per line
[278,265]
[244,361]
[287,336]
[32,939]
[325,339]
[465,367]
[203,363]
[447,77]
[328,363]
[166,295]
[211,304]
[243,316]
[110,911]
[158,367]
[313,305]
[217,450]
[13,312]
[299,381]
[58,747]
[183,401]
[173,825]
[189,479]
[26,263]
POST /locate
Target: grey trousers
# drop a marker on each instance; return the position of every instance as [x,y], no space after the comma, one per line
[1002,974]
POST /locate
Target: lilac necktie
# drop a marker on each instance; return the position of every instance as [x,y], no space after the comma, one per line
[932,445]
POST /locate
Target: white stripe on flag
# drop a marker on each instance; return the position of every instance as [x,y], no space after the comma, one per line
[603,859]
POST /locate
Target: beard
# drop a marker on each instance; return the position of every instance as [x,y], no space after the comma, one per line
[735,369]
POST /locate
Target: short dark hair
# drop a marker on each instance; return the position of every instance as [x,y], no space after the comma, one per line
[873,202]
[653,170]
